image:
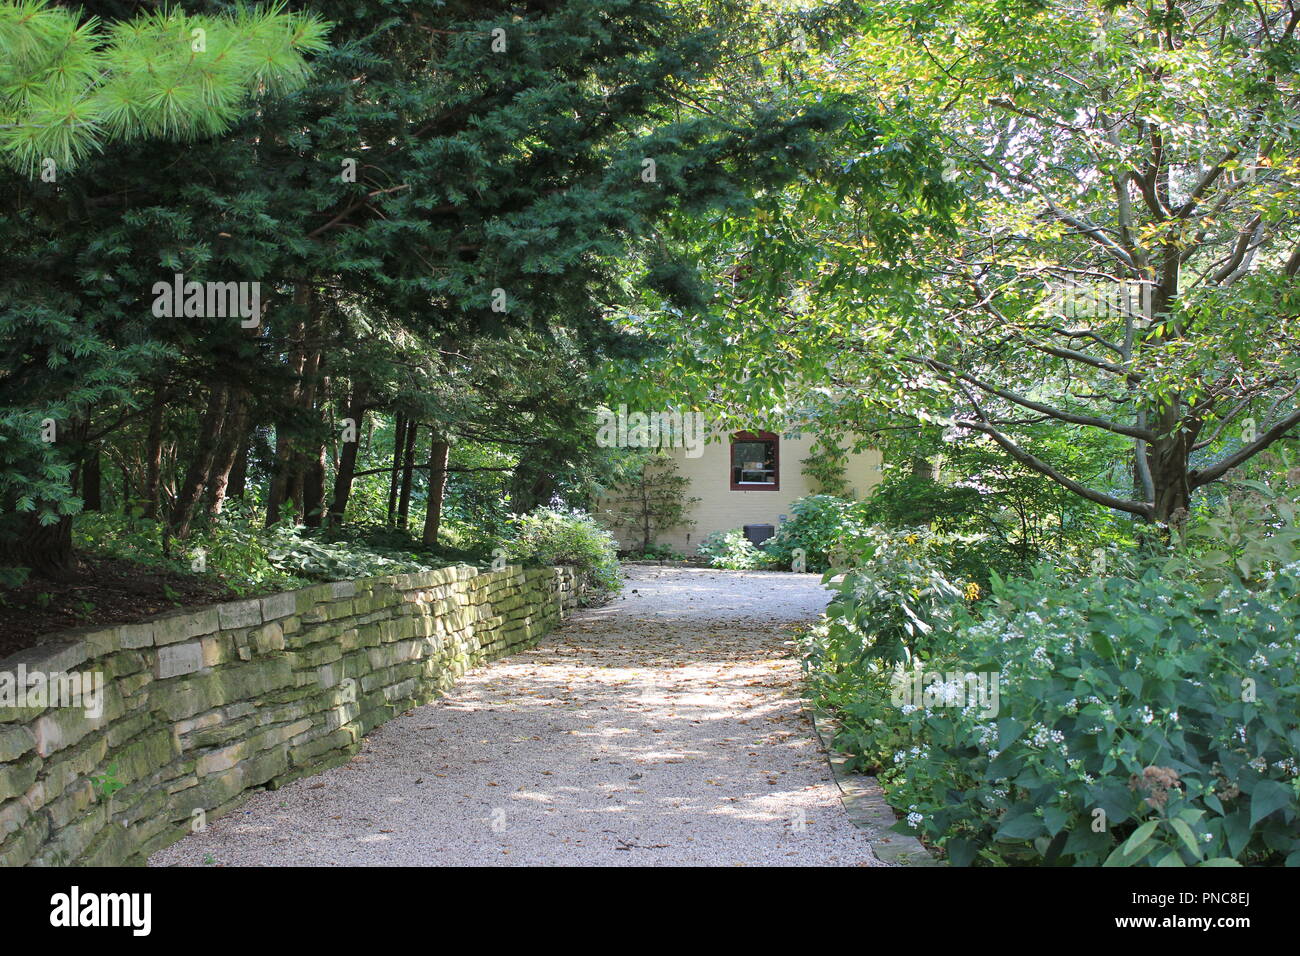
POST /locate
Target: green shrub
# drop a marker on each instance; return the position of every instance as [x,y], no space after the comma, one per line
[829,532]
[657,552]
[898,586]
[248,557]
[1139,721]
[971,488]
[1251,531]
[319,557]
[230,549]
[554,536]
[733,551]
[818,525]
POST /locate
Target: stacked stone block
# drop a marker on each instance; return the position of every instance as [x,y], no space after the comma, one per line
[202,707]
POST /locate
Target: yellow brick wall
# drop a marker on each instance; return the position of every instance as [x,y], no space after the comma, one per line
[720,508]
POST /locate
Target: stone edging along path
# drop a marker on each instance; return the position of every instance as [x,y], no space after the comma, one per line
[188,713]
[865,804]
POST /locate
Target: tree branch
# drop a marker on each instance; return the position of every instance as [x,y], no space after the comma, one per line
[1139,508]
[1197,479]
[1089,420]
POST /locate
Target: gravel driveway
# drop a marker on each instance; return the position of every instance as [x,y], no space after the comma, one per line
[664,728]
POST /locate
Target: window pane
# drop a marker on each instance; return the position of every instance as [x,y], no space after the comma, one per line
[753,462]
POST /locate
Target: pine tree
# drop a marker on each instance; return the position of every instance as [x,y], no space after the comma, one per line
[456,172]
[68,87]
[66,90]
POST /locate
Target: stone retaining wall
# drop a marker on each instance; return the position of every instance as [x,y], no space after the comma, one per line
[203,706]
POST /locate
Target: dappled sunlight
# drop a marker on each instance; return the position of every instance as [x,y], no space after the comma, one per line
[660,728]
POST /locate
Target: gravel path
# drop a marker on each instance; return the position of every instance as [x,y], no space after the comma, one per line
[664,728]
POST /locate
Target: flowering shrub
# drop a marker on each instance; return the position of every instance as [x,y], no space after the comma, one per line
[854,685]
[897,587]
[1139,722]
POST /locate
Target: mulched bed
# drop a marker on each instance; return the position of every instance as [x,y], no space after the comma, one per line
[104,591]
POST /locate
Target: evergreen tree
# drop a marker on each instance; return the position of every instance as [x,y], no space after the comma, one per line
[462,172]
[66,89]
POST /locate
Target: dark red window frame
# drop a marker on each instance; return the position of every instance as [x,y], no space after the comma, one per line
[776,461]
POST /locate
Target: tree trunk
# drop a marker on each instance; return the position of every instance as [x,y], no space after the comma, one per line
[408,472]
[205,451]
[1169,455]
[153,458]
[1168,458]
[394,481]
[439,452]
[355,410]
[239,473]
[278,490]
[91,481]
[44,549]
[313,490]
[311,463]
[234,437]
[285,483]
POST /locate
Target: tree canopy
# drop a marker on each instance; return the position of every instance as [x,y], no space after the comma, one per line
[452,198]
[1107,242]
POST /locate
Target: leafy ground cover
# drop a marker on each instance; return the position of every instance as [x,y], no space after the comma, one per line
[130,569]
[108,591]
[1145,713]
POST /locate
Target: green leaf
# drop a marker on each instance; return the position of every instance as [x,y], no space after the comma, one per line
[1056,819]
[1139,836]
[1103,646]
[1022,826]
[960,852]
[1268,796]
[1009,731]
[1119,858]
[1188,837]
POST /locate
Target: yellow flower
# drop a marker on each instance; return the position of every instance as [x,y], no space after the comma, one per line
[972,591]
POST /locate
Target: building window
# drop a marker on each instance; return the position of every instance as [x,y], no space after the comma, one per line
[755,463]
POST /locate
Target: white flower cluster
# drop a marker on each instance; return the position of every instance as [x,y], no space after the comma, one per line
[1077,766]
[916,753]
[1041,736]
